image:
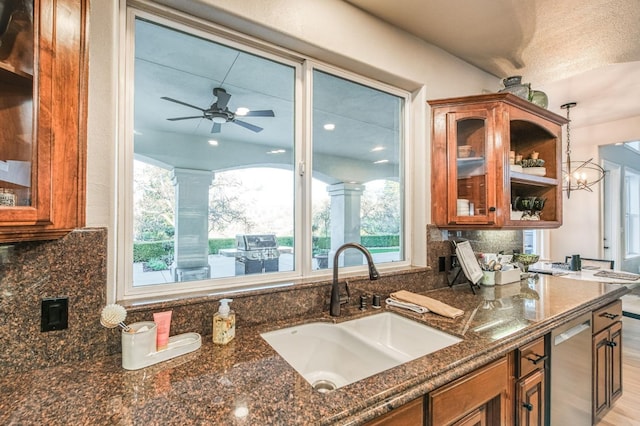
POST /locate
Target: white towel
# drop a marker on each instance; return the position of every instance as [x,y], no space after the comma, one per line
[406,305]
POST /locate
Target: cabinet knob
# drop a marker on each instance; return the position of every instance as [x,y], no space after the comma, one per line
[611,344]
[528,406]
[492,209]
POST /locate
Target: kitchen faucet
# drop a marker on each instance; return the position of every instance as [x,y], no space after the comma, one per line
[334,309]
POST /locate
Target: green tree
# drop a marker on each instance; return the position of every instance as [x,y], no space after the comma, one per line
[380,210]
[226,207]
[153,203]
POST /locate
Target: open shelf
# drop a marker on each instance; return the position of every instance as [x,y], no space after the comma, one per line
[527,179]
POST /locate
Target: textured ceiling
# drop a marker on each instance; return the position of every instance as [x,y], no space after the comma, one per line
[586,51]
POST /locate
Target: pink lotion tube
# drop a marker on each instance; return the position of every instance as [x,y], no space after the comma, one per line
[163,324]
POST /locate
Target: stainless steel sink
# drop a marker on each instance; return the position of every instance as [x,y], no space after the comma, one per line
[330,356]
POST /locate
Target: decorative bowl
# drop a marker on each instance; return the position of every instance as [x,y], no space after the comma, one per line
[526,260]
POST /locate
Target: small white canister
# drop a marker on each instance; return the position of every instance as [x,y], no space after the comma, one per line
[488,278]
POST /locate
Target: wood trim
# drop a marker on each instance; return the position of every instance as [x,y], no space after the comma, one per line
[452,401]
[607,315]
[409,414]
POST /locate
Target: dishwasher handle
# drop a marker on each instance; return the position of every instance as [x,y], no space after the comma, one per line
[566,335]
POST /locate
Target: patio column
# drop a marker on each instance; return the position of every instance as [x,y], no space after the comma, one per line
[191,246]
[345,221]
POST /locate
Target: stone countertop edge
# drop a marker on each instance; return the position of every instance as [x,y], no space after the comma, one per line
[207,384]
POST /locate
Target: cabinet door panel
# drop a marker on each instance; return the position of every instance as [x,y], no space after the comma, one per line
[472,198]
[530,399]
[476,418]
[600,385]
[470,392]
[616,361]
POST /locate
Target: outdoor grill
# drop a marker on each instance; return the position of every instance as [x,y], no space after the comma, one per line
[256,253]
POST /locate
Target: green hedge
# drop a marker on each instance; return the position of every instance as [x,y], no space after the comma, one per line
[216,244]
[146,251]
[380,240]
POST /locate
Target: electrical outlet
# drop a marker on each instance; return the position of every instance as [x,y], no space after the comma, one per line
[54,314]
[442,264]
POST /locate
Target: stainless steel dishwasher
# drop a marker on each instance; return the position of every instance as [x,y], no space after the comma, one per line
[571,371]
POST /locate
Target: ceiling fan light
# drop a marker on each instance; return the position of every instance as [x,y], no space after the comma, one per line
[218,119]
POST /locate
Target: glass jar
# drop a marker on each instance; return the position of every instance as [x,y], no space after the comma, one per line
[7,197]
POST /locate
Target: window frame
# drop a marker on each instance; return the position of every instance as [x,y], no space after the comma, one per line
[630,173]
[302,165]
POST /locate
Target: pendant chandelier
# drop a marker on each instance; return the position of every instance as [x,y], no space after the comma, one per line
[578,175]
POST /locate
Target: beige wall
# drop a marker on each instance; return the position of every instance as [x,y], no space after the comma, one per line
[582,213]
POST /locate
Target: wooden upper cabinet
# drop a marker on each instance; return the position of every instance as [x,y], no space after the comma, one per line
[473,183]
[43,101]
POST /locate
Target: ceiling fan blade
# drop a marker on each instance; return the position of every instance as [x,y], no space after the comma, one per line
[181,103]
[216,128]
[223,97]
[260,113]
[248,126]
[184,118]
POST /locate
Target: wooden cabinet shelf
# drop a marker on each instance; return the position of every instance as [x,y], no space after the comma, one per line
[8,71]
[525,179]
[473,184]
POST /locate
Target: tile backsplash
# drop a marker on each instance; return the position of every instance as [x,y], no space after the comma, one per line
[75,267]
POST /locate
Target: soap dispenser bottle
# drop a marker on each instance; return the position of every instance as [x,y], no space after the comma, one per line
[224,323]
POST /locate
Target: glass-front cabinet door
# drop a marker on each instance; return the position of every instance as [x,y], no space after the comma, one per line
[472,192]
[16,102]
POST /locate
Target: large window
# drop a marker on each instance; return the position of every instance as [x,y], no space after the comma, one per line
[631,212]
[244,167]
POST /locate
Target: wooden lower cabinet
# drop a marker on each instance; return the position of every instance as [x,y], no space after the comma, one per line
[530,395]
[410,414]
[607,369]
[531,392]
[479,398]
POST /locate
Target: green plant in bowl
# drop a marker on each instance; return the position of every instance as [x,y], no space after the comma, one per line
[526,260]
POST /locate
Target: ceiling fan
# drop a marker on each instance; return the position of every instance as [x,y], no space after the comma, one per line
[219,113]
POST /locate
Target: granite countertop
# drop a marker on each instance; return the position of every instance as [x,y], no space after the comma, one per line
[247,383]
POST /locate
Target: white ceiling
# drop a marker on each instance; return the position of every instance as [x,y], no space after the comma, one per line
[584,51]
[186,68]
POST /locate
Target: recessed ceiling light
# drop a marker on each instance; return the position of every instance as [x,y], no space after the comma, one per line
[213,142]
[329,126]
[242,111]
[378,148]
[380,161]
[276,151]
